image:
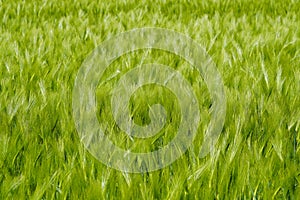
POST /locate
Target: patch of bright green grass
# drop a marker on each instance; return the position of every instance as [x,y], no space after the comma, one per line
[255,45]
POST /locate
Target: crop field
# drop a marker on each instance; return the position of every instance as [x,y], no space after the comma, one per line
[255,47]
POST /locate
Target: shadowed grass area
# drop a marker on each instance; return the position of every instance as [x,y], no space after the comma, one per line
[255,45]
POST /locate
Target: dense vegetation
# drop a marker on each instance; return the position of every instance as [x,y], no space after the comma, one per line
[255,45]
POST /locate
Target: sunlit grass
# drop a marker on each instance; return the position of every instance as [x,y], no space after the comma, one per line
[255,45]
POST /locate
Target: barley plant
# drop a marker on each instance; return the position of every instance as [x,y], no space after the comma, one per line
[255,46]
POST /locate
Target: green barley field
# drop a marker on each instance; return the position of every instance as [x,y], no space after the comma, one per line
[255,46]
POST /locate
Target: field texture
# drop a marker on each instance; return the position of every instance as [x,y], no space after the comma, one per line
[255,46]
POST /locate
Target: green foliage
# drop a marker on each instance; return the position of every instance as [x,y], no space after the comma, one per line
[255,45]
